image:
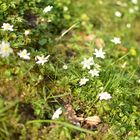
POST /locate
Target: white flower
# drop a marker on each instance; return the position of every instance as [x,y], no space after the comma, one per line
[24,55]
[131,10]
[49,20]
[139,81]
[27,32]
[123,4]
[47,9]
[118,14]
[57,113]
[42,19]
[134,1]
[83,81]
[42,59]
[7,26]
[99,53]
[116,40]
[124,65]
[94,72]
[100,2]
[104,96]
[128,25]
[5,49]
[76,123]
[65,8]
[87,63]
[65,67]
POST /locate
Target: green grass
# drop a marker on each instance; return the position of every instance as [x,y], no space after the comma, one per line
[30,93]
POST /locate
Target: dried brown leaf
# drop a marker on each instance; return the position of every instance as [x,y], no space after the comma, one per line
[71,115]
[100,43]
[89,37]
[122,49]
[94,120]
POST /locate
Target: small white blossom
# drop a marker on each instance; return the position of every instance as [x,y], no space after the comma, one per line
[118,14]
[116,40]
[65,8]
[24,55]
[57,113]
[76,123]
[49,20]
[27,32]
[42,19]
[42,59]
[47,9]
[134,1]
[128,25]
[104,96]
[83,81]
[87,63]
[94,72]
[7,27]
[99,53]
[100,2]
[139,81]
[65,67]
[131,10]
[123,4]
[5,49]
[124,65]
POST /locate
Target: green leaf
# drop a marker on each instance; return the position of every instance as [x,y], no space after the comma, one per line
[42,41]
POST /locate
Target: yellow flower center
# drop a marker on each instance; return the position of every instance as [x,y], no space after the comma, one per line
[7,26]
[6,49]
[23,54]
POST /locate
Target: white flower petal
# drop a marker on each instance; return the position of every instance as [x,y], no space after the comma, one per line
[83,81]
[134,1]
[94,72]
[118,14]
[24,55]
[7,26]
[47,9]
[5,49]
[104,96]
[65,67]
[42,59]
[57,113]
[116,40]
[87,63]
[99,53]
